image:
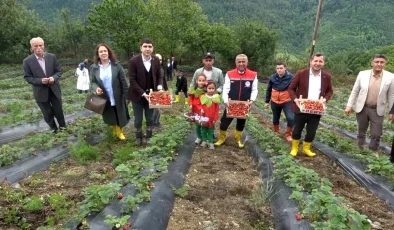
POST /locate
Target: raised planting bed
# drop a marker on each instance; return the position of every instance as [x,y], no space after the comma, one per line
[32,145]
[317,196]
[9,134]
[18,106]
[84,187]
[376,210]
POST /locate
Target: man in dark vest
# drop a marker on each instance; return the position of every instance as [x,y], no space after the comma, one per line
[144,74]
[239,84]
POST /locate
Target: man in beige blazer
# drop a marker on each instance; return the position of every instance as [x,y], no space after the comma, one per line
[372,92]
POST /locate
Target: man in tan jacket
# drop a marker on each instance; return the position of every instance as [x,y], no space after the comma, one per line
[371,93]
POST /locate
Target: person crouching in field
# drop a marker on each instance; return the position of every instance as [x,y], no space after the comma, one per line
[210,104]
[181,86]
[194,99]
[280,98]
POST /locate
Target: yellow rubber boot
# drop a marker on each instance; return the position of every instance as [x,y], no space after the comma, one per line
[176,99]
[114,130]
[222,138]
[306,148]
[120,133]
[294,147]
[186,101]
[238,136]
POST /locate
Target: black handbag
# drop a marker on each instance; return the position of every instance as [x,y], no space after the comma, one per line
[95,103]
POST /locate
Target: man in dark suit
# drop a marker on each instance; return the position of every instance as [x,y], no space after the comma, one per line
[312,83]
[144,74]
[174,65]
[42,71]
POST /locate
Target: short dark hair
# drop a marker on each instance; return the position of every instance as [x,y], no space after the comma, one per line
[147,41]
[280,63]
[317,55]
[211,83]
[379,56]
[111,54]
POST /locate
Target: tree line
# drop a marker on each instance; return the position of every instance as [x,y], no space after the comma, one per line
[178,28]
[187,29]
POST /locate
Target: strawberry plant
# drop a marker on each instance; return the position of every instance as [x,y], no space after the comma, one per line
[312,193]
[115,222]
[98,196]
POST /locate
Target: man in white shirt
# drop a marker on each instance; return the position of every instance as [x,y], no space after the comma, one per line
[311,83]
[371,93]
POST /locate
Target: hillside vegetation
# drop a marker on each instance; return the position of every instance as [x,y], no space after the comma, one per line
[345,25]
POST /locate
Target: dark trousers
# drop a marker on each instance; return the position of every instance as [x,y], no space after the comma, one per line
[311,121]
[156,116]
[277,109]
[116,115]
[51,109]
[225,122]
[177,91]
[139,108]
[169,76]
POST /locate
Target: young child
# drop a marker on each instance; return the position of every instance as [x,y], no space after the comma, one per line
[181,86]
[210,105]
[194,100]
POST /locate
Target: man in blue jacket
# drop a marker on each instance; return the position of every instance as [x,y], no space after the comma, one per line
[280,98]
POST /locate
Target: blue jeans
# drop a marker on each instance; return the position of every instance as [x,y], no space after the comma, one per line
[277,109]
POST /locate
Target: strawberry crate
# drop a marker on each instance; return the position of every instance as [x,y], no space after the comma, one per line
[160,99]
[312,106]
[238,109]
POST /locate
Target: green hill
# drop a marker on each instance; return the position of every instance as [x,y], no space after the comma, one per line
[345,25]
[355,25]
[50,9]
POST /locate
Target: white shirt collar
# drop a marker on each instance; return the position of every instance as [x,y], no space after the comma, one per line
[143,59]
[37,57]
[109,63]
[311,73]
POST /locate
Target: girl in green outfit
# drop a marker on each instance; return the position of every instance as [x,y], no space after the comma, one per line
[194,101]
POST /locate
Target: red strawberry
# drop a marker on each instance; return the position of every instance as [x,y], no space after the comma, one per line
[298,217]
[120,195]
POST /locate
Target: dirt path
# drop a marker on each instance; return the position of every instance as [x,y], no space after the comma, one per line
[221,186]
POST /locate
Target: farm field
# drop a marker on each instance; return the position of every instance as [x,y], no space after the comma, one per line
[90,180]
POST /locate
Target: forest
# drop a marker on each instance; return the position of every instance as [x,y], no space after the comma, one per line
[189,28]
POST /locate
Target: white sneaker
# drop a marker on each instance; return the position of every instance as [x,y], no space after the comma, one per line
[211,146]
[198,141]
[203,144]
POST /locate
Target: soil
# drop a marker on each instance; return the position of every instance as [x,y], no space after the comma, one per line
[67,178]
[356,197]
[221,183]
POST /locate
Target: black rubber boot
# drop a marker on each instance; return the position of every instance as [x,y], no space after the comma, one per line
[138,137]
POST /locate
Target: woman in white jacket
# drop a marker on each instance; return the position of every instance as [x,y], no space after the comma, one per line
[83,81]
